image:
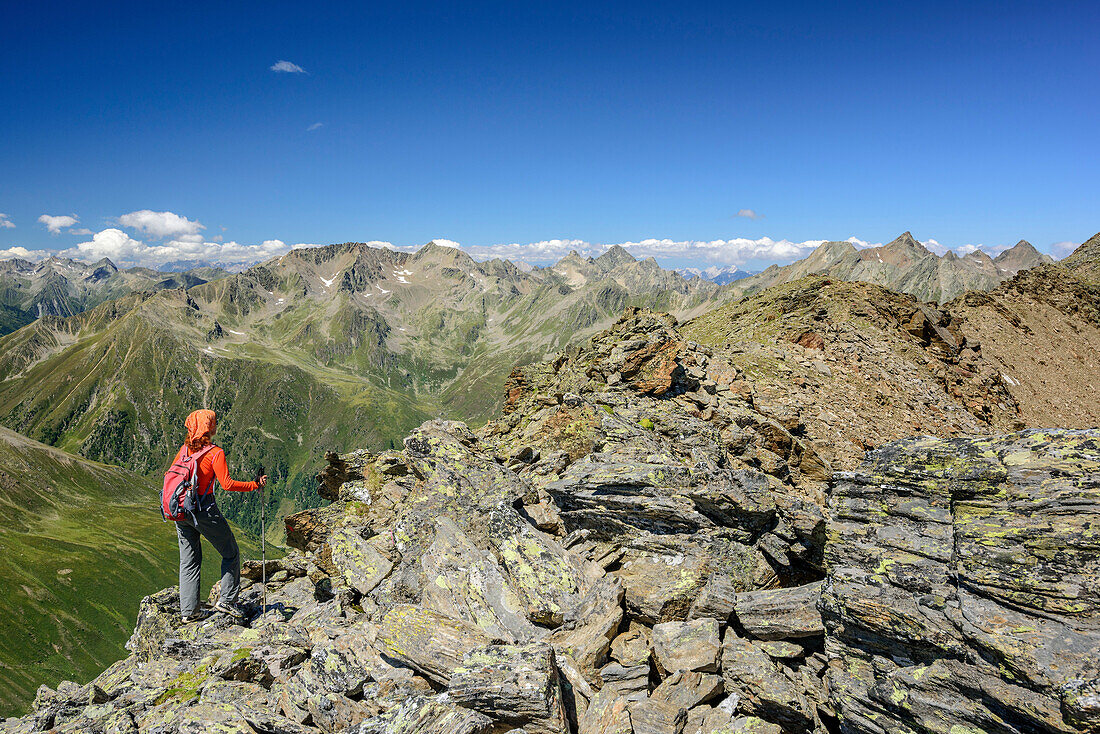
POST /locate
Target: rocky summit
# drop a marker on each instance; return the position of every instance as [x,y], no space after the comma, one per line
[637,545]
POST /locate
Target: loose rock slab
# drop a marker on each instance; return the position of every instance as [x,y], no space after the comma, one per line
[781,614]
[517,684]
[428,642]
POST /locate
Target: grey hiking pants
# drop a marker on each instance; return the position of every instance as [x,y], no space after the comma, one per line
[211,525]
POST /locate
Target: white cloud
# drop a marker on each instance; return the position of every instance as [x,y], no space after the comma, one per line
[862,244]
[82,231]
[749,214]
[726,252]
[315,126]
[287,67]
[5,222]
[58,223]
[1062,249]
[23,253]
[160,224]
[124,250]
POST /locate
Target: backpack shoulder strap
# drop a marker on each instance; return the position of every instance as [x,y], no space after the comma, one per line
[203,451]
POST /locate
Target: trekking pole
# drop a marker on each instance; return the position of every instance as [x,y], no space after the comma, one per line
[263,544]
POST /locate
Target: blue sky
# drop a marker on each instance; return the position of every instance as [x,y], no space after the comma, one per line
[565,124]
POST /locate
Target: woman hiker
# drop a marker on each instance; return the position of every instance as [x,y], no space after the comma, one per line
[209,523]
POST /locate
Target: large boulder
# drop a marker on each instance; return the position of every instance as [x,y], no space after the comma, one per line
[964,586]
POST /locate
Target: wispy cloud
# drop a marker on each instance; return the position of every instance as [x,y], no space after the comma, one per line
[749,214]
[161,224]
[83,231]
[315,126]
[57,223]
[5,222]
[286,67]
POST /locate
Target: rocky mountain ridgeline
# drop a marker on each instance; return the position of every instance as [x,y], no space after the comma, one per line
[903,265]
[637,546]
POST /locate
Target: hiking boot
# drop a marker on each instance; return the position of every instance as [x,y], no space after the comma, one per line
[195,616]
[231,608]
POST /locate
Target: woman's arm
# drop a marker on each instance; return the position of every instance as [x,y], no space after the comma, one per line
[221,471]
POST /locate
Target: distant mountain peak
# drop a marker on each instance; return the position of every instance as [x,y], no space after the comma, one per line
[906,241]
[105,262]
[616,255]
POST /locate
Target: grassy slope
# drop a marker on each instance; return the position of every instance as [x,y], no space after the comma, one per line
[80,544]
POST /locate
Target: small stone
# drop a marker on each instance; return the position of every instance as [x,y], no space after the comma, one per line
[632,647]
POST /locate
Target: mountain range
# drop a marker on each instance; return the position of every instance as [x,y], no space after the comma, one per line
[904,265]
[715,274]
[62,287]
[317,349]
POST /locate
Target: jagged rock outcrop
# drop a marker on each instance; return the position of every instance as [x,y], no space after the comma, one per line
[635,546]
[964,586]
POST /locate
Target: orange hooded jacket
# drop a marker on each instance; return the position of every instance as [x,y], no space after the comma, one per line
[200,426]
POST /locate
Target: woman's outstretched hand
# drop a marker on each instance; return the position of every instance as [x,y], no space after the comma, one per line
[262,481]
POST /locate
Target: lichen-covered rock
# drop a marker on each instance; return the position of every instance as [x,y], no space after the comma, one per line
[687,646]
[516,684]
[428,642]
[964,585]
[763,687]
[607,714]
[780,614]
[466,582]
[590,627]
[361,563]
[426,715]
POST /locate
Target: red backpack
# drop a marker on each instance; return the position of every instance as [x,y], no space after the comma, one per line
[180,496]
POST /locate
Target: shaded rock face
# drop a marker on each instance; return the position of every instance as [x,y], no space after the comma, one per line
[964,586]
[636,547]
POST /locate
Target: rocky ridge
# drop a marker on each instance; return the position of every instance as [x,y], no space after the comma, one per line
[859,365]
[636,545]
